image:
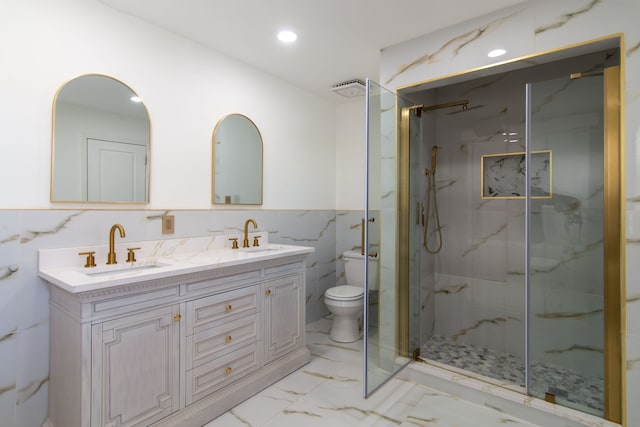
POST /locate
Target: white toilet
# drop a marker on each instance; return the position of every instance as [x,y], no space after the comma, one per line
[346,303]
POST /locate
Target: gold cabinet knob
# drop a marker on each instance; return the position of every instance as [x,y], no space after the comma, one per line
[228,338]
[91,260]
[268,292]
[228,307]
[177,317]
[228,371]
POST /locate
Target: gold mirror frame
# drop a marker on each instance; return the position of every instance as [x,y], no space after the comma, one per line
[100,143]
[237,161]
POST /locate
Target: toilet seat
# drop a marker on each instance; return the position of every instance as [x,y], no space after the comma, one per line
[345,293]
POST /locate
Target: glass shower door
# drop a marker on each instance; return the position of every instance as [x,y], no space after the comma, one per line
[390,308]
[567,196]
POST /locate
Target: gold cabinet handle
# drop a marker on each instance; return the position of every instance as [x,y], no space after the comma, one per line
[227,371]
[177,317]
[228,338]
[228,307]
[268,292]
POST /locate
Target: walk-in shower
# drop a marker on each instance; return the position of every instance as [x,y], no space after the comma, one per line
[503,264]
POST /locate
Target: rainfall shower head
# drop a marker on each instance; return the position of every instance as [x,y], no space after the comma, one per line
[467,108]
[464,103]
[419,109]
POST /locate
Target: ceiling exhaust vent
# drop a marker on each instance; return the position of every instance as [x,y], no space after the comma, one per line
[350,88]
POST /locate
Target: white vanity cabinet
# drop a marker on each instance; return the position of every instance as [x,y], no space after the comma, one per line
[222,340]
[176,351]
[136,362]
[284,316]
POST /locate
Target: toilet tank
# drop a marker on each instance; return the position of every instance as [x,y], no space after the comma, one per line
[354,269]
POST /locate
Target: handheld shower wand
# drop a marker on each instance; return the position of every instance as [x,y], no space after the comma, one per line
[431,188]
[434,155]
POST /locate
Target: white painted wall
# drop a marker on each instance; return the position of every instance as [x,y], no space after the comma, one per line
[186,88]
[350,155]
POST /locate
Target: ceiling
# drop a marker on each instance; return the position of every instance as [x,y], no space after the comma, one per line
[338,40]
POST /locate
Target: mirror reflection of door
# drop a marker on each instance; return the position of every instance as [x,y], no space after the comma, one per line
[104,109]
[116,171]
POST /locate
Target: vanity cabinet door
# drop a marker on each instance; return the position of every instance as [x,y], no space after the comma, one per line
[135,369]
[283,311]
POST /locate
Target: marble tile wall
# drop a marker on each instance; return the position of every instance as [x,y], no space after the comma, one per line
[24,297]
[531,27]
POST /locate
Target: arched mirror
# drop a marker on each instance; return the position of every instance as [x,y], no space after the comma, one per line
[237,162]
[100,143]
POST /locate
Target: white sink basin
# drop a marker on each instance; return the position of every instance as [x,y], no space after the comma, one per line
[267,248]
[120,270]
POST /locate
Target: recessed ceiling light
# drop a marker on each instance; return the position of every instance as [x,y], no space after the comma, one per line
[496,52]
[135,99]
[287,36]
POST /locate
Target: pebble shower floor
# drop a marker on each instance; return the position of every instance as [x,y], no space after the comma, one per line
[577,390]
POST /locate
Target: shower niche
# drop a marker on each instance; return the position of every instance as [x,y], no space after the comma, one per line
[507,209]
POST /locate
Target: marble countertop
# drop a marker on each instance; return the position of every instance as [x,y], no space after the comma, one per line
[156,260]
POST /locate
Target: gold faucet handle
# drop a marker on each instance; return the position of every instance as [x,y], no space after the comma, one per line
[91,260]
[234,245]
[255,240]
[131,255]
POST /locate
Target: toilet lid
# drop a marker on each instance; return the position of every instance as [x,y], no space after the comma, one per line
[345,293]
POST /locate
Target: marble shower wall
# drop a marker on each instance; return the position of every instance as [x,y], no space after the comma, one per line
[24,297]
[531,27]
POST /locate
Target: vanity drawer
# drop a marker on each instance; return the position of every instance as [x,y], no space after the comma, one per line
[212,376]
[213,311]
[212,343]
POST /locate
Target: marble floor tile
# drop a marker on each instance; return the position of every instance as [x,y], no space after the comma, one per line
[447,411]
[327,392]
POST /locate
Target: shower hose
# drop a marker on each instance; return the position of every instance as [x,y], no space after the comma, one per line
[431,189]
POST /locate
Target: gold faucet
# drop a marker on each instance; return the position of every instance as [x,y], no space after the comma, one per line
[111,258]
[245,242]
